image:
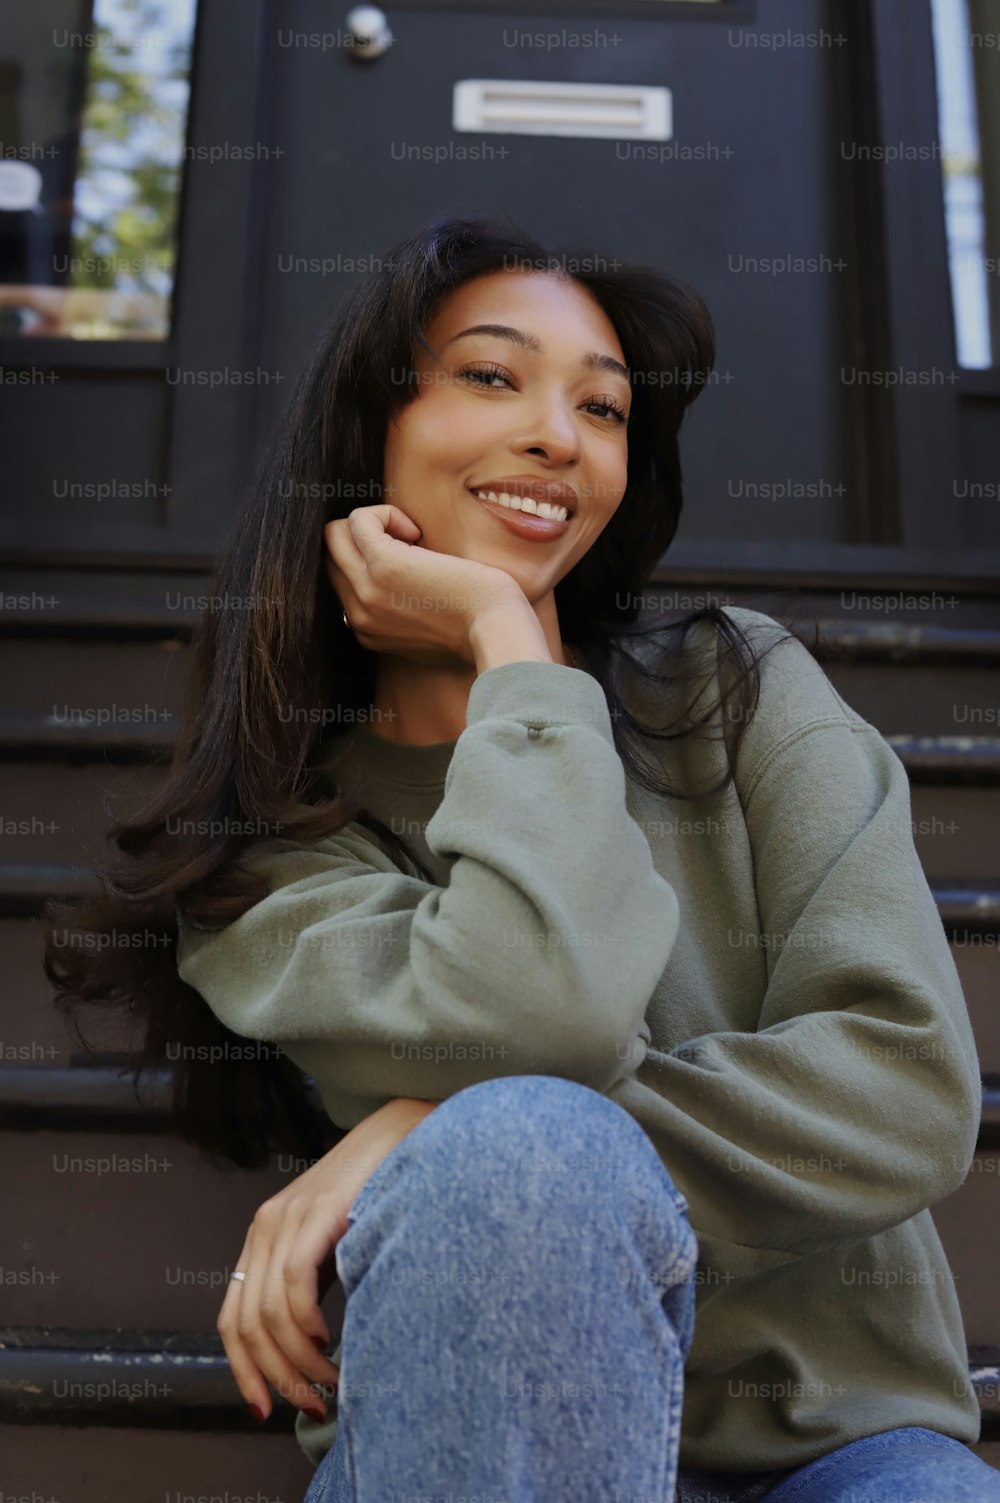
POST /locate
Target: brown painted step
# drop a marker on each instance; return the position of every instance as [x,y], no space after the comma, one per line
[124,1230]
[906,678]
[956,832]
[53,811]
[59,712]
[33,1033]
[74,1465]
[968,1223]
[82,1187]
[150,1466]
[50,678]
[919,700]
[977,959]
[174,1383]
[57,810]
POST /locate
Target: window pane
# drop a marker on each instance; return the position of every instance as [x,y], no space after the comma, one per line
[93,119]
[967,56]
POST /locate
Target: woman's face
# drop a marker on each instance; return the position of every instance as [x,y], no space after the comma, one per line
[490,410]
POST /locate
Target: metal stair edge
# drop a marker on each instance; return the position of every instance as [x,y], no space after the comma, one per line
[111,735]
[125,1380]
[895,643]
[26,886]
[184,1381]
[150,617]
[101,1097]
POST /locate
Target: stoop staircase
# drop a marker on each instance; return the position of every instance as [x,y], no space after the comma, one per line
[113,1382]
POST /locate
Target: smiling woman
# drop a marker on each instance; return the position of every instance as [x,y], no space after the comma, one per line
[513,439]
[407,400]
[574,1043]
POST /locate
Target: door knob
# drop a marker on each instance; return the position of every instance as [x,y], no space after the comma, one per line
[370,30]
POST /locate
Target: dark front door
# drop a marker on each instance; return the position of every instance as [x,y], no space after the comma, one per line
[740,192]
[779,154]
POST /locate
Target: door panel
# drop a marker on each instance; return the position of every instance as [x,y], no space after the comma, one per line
[369,151]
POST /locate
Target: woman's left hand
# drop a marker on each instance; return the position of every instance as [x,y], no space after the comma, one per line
[271,1323]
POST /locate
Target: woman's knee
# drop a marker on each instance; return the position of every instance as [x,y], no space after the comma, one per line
[525,1120]
[544,1136]
[528,1175]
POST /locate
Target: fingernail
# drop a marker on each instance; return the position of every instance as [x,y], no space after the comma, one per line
[319,1415]
[318,1340]
[258,1413]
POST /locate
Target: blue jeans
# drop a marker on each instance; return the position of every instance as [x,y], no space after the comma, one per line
[519,1274]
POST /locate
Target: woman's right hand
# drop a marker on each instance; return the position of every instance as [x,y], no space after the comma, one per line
[272,1322]
[401,598]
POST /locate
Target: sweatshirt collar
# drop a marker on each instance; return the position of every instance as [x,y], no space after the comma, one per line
[392,761]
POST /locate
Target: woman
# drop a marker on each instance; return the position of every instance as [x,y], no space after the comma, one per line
[616,967]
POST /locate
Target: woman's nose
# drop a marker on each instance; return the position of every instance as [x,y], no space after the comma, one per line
[553,435]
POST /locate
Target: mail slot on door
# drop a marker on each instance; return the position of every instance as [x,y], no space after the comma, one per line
[623,111]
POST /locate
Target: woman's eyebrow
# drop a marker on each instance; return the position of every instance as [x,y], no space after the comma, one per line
[593,361]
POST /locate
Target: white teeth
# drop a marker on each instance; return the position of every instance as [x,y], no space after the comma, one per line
[551,511]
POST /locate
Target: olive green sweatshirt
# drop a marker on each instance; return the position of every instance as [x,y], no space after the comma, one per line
[764,984]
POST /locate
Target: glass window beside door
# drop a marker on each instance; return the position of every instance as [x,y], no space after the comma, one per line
[93,121]
[967,60]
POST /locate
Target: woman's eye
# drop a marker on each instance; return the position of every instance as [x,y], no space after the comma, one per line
[611,408]
[485,375]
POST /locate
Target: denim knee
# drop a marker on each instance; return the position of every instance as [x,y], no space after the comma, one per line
[545,1126]
[511,1140]
[520,1265]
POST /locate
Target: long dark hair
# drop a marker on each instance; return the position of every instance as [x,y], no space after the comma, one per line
[243,767]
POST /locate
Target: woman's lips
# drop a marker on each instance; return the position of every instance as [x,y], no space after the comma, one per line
[522,523]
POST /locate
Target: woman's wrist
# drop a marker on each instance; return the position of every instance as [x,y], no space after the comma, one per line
[403,1107]
[507,633]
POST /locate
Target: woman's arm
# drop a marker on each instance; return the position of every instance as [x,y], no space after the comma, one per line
[855,1101]
[539,956]
[271,1323]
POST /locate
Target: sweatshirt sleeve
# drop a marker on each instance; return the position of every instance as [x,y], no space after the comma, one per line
[856,1102]
[538,957]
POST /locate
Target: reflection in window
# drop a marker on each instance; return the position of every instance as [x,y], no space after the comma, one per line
[93,116]
[967,55]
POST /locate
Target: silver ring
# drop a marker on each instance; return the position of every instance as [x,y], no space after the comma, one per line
[346,622]
[237,1275]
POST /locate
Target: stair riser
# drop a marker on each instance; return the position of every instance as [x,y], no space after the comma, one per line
[172,1266]
[921,700]
[124,1231]
[68,1465]
[56,812]
[968,1223]
[54,678]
